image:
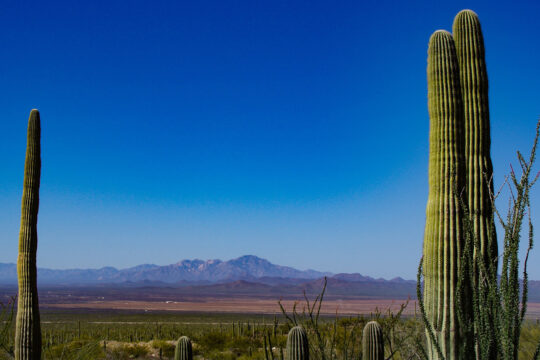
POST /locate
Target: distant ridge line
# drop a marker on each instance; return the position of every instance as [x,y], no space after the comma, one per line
[247,267]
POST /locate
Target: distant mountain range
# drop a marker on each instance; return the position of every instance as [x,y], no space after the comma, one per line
[196,271]
[247,275]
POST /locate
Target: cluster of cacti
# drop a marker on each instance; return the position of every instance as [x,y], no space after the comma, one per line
[460,174]
[372,342]
[297,344]
[184,349]
[28,328]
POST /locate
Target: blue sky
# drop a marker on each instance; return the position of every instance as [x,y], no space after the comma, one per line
[295,131]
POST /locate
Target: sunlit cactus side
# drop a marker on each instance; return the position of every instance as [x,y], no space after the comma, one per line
[28,328]
[372,342]
[474,89]
[297,344]
[443,236]
[184,349]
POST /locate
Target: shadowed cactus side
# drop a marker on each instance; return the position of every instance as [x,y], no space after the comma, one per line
[184,349]
[474,91]
[28,328]
[444,235]
[297,344]
[372,342]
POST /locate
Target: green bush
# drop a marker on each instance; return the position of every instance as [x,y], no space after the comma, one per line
[7,312]
[213,341]
[75,350]
[166,347]
[130,351]
[219,355]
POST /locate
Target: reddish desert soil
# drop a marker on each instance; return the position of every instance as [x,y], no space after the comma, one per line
[343,307]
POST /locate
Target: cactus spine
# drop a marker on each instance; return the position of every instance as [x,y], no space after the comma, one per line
[184,350]
[28,329]
[443,237]
[372,342]
[297,344]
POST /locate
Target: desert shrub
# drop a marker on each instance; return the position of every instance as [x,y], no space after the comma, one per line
[220,355]
[136,350]
[75,350]
[530,336]
[166,347]
[129,351]
[7,312]
[239,344]
[213,340]
[118,353]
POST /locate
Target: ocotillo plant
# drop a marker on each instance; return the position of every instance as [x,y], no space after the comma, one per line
[372,342]
[474,90]
[28,329]
[444,235]
[297,344]
[184,350]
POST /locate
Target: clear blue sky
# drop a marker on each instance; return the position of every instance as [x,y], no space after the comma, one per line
[292,130]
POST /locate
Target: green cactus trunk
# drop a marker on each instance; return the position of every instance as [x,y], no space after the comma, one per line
[372,342]
[444,237]
[184,350]
[474,89]
[28,328]
[297,344]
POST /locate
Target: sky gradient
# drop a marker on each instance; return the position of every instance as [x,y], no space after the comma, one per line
[295,131]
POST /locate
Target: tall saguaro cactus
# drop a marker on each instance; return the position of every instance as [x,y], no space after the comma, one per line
[474,89]
[444,237]
[184,349]
[297,344]
[372,342]
[28,329]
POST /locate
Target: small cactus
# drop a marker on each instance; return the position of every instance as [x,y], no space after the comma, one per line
[372,342]
[297,344]
[184,350]
[28,327]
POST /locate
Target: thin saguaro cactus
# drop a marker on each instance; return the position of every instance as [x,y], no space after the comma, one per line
[28,328]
